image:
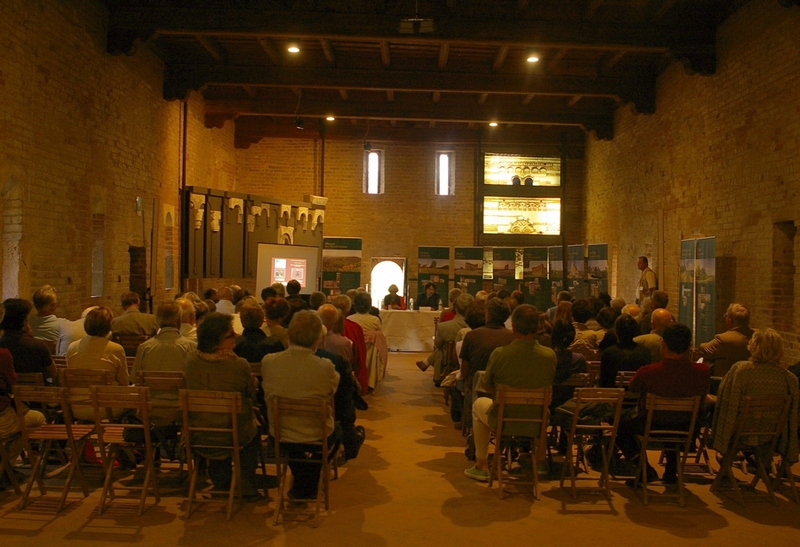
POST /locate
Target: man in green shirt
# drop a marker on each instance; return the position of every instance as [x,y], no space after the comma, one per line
[523,363]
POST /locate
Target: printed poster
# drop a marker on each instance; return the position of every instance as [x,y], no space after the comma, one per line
[597,269]
[341,264]
[555,258]
[468,269]
[535,285]
[686,283]
[504,261]
[434,265]
[575,271]
[705,282]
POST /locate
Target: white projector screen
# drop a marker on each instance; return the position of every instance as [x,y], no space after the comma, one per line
[282,263]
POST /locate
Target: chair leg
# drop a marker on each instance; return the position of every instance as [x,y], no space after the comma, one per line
[681,462]
[726,470]
[642,472]
[281,470]
[108,462]
[7,469]
[149,477]
[786,470]
[192,485]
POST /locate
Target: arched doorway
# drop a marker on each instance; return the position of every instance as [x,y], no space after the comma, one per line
[386,271]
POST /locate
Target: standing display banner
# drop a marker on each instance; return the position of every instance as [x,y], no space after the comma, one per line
[555,257]
[434,265]
[575,263]
[597,269]
[535,285]
[341,264]
[504,264]
[468,269]
[686,283]
[705,280]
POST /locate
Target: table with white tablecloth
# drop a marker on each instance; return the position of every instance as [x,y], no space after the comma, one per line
[409,330]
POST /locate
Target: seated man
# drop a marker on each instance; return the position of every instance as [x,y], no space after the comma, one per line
[215,367]
[29,354]
[523,363]
[585,338]
[299,374]
[674,376]
[275,309]
[658,300]
[44,325]
[481,342]
[659,319]
[563,296]
[430,298]
[132,321]
[730,346]
[225,303]
[188,327]
[69,331]
[254,344]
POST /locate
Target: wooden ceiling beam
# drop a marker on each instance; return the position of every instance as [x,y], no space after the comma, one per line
[136,20]
[327,50]
[269,48]
[500,58]
[213,47]
[444,52]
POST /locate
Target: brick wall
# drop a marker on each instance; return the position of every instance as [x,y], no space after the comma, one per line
[85,133]
[405,216]
[720,157]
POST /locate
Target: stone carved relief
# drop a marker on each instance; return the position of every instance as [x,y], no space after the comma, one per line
[214,218]
[255,211]
[286,235]
[317,218]
[198,203]
[286,210]
[237,203]
[302,216]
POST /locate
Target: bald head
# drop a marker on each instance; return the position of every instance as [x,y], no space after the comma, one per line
[225,293]
[660,319]
[633,310]
[329,315]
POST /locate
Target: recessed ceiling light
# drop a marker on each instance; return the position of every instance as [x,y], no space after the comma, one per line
[533,58]
[293,48]
[492,124]
[330,118]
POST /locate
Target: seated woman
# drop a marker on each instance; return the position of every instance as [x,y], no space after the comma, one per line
[430,298]
[625,355]
[392,301]
[9,422]
[763,374]
[216,367]
[361,305]
[449,312]
[97,352]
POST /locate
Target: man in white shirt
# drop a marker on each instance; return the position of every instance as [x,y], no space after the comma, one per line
[225,304]
[69,331]
[44,325]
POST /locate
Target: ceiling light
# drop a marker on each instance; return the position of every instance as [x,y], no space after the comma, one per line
[367,147]
[299,123]
[492,124]
[330,118]
[293,48]
[533,58]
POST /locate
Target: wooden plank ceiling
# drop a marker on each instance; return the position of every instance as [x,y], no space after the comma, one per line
[424,69]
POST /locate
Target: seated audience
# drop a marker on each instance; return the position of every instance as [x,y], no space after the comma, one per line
[523,363]
[658,300]
[28,353]
[295,301]
[45,325]
[132,321]
[567,361]
[392,301]
[69,331]
[188,328]
[215,367]
[448,313]
[446,332]
[674,376]
[211,294]
[276,309]
[563,296]
[585,338]
[544,332]
[625,354]
[481,342]
[353,332]
[95,351]
[428,299]
[279,289]
[268,292]
[317,299]
[334,341]
[763,374]
[362,316]
[633,310]
[563,312]
[299,374]
[9,421]
[659,319]
[254,344]
[605,321]
[225,303]
[482,295]
[730,346]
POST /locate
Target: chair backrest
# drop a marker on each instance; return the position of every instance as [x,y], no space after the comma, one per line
[129,342]
[197,401]
[54,397]
[129,362]
[522,411]
[106,399]
[60,361]
[255,369]
[624,378]
[677,418]
[84,377]
[315,409]
[761,420]
[612,397]
[162,380]
[593,369]
[30,379]
[579,379]
[449,358]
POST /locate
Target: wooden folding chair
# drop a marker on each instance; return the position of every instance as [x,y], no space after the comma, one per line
[6,465]
[672,438]
[522,413]
[30,379]
[602,432]
[623,381]
[129,342]
[111,436]
[593,369]
[759,424]
[310,409]
[50,437]
[193,403]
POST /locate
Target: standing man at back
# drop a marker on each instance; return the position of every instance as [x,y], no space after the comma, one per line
[648,282]
[132,321]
